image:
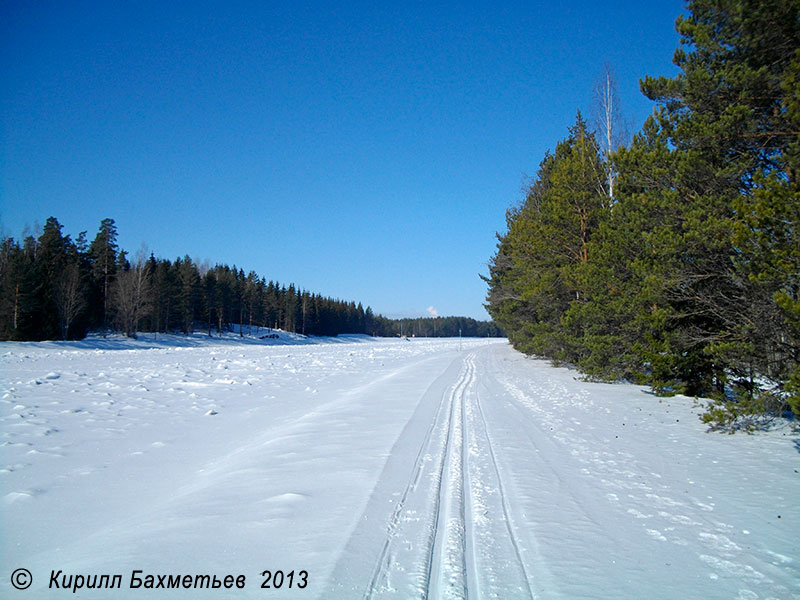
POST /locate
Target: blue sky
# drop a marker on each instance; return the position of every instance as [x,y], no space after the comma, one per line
[365,151]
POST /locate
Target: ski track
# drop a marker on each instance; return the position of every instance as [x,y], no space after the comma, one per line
[482,474]
[452,522]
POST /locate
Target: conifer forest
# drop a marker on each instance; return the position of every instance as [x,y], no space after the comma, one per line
[53,287]
[674,260]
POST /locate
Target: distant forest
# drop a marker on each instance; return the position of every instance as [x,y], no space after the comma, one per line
[53,287]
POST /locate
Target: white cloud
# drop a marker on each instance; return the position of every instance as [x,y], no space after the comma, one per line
[432,311]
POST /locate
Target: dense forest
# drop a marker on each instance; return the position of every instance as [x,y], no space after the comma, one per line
[674,260]
[53,287]
[445,327]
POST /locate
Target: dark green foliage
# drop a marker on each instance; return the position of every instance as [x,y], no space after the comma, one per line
[189,293]
[438,327]
[52,288]
[18,290]
[42,286]
[103,261]
[691,280]
[538,273]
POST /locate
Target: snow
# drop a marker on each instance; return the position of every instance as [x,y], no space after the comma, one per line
[384,469]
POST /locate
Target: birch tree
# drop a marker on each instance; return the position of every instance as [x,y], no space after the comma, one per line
[131,296]
[69,297]
[610,125]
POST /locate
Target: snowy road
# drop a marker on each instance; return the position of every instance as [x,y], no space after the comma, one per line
[381,469]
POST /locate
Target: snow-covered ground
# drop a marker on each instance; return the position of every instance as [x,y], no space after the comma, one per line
[381,469]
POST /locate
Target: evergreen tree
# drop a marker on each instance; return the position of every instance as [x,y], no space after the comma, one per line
[47,284]
[189,293]
[535,275]
[690,280]
[18,290]
[51,260]
[210,293]
[727,117]
[103,256]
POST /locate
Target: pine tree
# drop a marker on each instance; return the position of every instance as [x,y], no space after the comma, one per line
[52,259]
[535,275]
[726,117]
[189,293]
[20,286]
[103,256]
[210,293]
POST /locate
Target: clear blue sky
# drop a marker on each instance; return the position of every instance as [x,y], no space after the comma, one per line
[366,151]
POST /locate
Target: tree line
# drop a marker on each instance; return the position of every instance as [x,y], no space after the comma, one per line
[54,287]
[675,260]
[445,327]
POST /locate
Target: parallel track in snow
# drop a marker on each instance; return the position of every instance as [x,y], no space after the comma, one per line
[499,530]
[451,558]
[384,564]
[450,534]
